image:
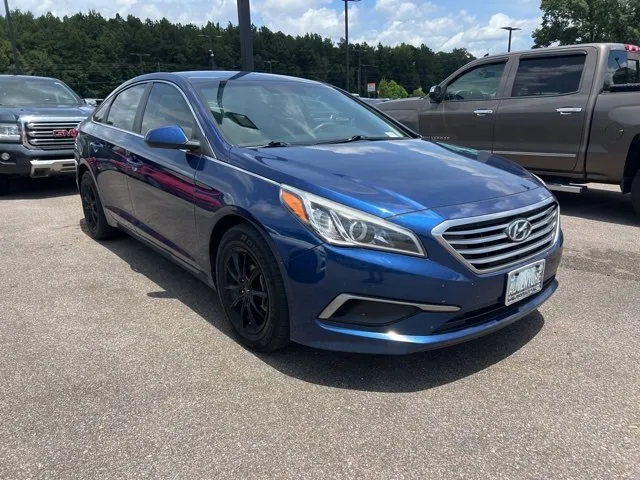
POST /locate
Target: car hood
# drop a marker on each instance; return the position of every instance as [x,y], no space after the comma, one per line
[389,178]
[12,114]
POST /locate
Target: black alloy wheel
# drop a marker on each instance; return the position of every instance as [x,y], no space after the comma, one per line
[251,289]
[94,218]
[245,282]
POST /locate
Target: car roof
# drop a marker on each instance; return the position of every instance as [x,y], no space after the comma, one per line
[24,77]
[219,75]
[557,49]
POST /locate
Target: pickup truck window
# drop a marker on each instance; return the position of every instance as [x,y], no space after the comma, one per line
[479,83]
[621,69]
[554,75]
[122,113]
[166,106]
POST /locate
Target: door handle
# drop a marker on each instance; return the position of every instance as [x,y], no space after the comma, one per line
[482,112]
[134,163]
[568,110]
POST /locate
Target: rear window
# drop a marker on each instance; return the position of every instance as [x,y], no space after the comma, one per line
[622,68]
[557,75]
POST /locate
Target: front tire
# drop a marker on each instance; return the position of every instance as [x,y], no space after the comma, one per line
[251,290]
[94,217]
[635,193]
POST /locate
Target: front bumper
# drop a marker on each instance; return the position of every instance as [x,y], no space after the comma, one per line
[36,163]
[451,304]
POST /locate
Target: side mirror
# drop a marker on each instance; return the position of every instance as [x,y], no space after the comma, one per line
[435,93]
[172,137]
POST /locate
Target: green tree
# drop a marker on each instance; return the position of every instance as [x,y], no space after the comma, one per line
[417,92]
[390,89]
[580,21]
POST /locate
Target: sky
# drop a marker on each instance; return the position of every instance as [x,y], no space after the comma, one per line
[442,25]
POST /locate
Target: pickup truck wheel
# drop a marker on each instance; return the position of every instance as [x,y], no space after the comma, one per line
[94,218]
[635,193]
[5,185]
[251,290]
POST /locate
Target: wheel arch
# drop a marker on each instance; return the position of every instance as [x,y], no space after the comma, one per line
[632,165]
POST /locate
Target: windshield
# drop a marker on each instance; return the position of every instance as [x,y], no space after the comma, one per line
[21,91]
[274,113]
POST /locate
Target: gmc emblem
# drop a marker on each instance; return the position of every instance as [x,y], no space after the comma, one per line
[72,132]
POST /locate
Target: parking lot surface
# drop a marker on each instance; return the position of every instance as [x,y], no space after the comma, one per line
[114,363]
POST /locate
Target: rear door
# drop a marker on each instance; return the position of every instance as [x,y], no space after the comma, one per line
[162,180]
[111,131]
[541,122]
[467,113]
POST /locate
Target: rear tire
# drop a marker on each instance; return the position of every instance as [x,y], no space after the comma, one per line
[94,217]
[251,290]
[635,193]
[5,185]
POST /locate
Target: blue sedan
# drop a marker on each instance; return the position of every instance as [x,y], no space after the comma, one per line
[316,218]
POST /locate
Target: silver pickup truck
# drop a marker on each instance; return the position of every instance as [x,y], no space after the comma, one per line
[570,114]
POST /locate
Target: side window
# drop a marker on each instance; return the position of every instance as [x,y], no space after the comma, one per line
[100,114]
[557,75]
[479,83]
[122,113]
[621,69]
[166,106]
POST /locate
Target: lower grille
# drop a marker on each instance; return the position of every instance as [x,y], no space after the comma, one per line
[487,314]
[50,135]
[484,245]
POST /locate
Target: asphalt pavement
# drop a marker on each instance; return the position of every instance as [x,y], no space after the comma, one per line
[114,363]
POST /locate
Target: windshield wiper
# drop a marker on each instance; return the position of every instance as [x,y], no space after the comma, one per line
[271,144]
[357,138]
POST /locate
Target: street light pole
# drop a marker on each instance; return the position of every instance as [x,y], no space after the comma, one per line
[14,48]
[346,38]
[510,30]
[246,40]
[211,37]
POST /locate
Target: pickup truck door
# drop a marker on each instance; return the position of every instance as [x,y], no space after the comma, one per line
[467,112]
[542,119]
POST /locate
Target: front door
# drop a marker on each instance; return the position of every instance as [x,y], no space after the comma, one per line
[541,122]
[467,113]
[162,183]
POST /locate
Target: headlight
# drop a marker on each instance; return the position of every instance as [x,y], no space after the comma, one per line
[340,225]
[9,132]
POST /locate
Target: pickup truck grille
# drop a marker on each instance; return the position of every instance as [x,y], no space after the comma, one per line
[483,245]
[50,135]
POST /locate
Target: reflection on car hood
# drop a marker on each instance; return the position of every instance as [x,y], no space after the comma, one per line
[390,177]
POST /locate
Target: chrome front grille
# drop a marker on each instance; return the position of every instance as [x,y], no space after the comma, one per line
[483,245]
[50,135]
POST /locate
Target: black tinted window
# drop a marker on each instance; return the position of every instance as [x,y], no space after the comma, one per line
[122,113]
[548,75]
[479,83]
[166,106]
[621,69]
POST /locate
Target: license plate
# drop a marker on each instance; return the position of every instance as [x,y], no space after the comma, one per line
[524,282]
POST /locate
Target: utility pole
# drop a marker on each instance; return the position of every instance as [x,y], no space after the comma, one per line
[14,48]
[246,40]
[359,69]
[140,56]
[270,62]
[346,38]
[510,30]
